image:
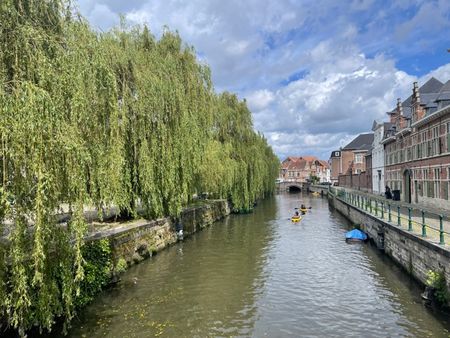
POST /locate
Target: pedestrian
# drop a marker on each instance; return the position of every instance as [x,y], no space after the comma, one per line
[388,193]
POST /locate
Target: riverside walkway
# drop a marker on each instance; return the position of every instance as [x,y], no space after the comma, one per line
[430,223]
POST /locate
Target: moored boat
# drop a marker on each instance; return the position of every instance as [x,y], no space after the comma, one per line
[355,235]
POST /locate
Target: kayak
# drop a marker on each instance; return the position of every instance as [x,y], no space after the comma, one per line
[296,219]
[304,210]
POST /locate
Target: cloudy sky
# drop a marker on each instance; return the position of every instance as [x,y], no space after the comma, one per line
[315,73]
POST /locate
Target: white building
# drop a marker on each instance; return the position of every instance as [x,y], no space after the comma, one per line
[378,182]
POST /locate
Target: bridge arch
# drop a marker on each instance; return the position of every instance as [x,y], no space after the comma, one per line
[292,186]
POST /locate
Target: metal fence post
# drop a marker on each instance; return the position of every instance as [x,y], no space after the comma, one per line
[399,221]
[409,220]
[382,210]
[376,208]
[370,204]
[389,213]
[441,230]
[424,229]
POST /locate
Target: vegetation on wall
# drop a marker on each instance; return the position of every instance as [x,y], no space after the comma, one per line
[89,119]
[436,280]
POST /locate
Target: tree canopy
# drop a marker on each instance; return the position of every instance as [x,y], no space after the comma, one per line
[104,119]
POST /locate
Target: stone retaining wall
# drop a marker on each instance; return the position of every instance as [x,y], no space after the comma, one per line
[414,253]
[134,241]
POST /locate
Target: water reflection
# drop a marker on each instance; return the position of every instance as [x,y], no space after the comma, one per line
[261,275]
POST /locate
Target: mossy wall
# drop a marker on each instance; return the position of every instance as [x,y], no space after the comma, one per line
[135,241]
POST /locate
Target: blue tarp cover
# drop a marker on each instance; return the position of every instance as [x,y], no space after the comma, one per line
[356,234]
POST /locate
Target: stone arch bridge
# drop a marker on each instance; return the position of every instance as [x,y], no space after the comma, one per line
[292,185]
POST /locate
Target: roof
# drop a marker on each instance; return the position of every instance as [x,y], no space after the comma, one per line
[309,158]
[299,163]
[334,152]
[385,125]
[324,163]
[431,86]
[361,142]
[428,94]
[293,163]
[444,93]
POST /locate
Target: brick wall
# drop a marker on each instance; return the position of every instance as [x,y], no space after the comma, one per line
[360,181]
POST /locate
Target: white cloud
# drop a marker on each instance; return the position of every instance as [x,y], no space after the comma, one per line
[442,74]
[339,98]
[98,14]
[259,100]
[314,74]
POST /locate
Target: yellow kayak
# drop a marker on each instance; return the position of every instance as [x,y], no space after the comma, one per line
[316,193]
[296,219]
[304,210]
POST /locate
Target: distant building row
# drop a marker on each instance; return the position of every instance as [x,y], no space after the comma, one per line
[304,169]
[410,153]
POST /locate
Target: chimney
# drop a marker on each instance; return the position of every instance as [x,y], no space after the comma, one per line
[416,95]
[399,107]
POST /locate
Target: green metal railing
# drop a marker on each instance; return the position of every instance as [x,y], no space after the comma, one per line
[424,223]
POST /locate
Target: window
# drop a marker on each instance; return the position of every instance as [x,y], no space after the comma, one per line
[437,182]
[448,136]
[435,132]
[358,158]
[447,185]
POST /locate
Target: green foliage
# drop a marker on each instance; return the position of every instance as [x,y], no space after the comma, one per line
[314,179]
[97,270]
[121,266]
[436,280]
[104,119]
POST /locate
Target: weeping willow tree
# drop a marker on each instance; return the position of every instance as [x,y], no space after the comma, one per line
[114,119]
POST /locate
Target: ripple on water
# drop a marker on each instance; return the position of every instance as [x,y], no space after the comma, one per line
[261,275]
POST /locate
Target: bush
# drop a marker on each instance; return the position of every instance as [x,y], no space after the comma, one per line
[97,270]
[121,266]
[436,280]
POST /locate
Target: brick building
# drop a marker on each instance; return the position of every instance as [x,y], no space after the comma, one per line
[301,169]
[417,146]
[351,158]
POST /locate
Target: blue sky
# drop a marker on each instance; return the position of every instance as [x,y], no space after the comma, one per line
[314,73]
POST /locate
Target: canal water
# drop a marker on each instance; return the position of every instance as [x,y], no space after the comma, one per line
[260,275]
